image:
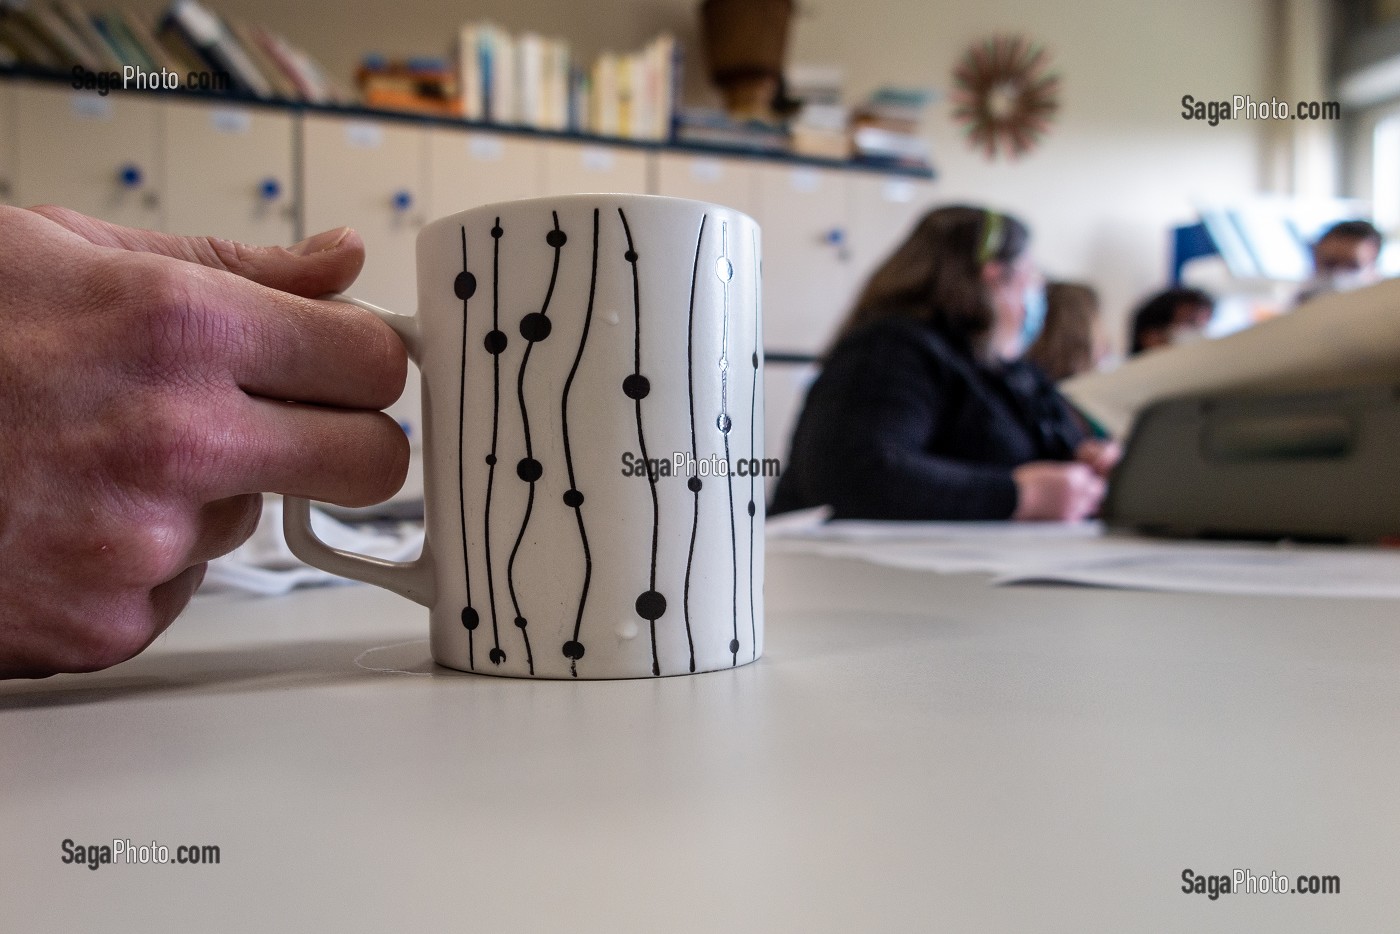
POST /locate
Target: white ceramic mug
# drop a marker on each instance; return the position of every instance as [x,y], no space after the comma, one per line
[592,373]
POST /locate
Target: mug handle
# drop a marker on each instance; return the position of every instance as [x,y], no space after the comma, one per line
[411,579]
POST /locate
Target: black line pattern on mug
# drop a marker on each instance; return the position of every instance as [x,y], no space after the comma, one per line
[495,344]
[693,484]
[724,268]
[534,328]
[573,497]
[753,450]
[651,604]
[465,287]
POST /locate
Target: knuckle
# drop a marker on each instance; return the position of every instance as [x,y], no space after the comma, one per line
[147,550]
[164,311]
[115,640]
[169,444]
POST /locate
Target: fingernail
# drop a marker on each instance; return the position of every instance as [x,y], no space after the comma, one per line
[319,243]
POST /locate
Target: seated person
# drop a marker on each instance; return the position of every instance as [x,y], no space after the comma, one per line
[924,409]
[1072,341]
[1344,258]
[1175,316]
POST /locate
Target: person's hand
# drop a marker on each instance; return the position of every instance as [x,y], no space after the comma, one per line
[1056,491]
[1099,455]
[150,387]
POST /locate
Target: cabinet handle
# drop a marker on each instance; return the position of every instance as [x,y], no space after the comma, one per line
[836,236]
[402,200]
[270,189]
[130,176]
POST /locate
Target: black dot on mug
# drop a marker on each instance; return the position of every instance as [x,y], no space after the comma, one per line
[630,256]
[752,508]
[556,238]
[535,327]
[490,460]
[495,342]
[755,360]
[651,605]
[470,618]
[529,469]
[636,386]
[464,285]
[521,622]
[724,423]
[497,231]
[497,656]
[573,499]
[694,484]
[734,646]
[573,650]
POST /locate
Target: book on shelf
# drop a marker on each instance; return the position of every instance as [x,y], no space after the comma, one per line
[535,81]
[82,26]
[189,38]
[206,33]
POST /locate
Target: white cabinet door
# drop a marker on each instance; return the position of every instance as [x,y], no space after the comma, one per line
[807,271]
[372,175]
[884,209]
[730,182]
[8,132]
[576,168]
[228,172]
[99,155]
[468,168]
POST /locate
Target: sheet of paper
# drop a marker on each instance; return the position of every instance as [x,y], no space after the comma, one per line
[1083,553]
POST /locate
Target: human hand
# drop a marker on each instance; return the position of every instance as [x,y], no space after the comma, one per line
[151,387]
[1100,455]
[1057,491]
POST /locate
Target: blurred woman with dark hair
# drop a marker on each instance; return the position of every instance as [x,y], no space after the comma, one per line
[1072,341]
[924,409]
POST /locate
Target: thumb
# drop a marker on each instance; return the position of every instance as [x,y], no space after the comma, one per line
[326,262]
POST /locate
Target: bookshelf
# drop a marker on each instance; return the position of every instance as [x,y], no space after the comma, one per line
[43,76]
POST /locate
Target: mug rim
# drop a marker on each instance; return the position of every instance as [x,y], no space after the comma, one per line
[448,219]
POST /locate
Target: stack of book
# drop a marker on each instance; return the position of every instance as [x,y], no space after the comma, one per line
[703,126]
[529,80]
[821,126]
[889,128]
[202,50]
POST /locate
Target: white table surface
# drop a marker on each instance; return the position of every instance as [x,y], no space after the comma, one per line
[915,753]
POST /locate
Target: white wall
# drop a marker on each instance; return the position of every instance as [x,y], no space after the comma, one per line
[1119,167]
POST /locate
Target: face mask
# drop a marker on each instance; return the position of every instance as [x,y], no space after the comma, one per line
[1034,320]
[1344,280]
[1180,336]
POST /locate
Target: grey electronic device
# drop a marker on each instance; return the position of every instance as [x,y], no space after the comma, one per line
[1314,465]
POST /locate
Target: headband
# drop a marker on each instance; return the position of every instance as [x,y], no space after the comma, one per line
[994,239]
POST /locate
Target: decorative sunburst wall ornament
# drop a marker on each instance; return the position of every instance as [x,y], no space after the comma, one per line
[1004,95]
